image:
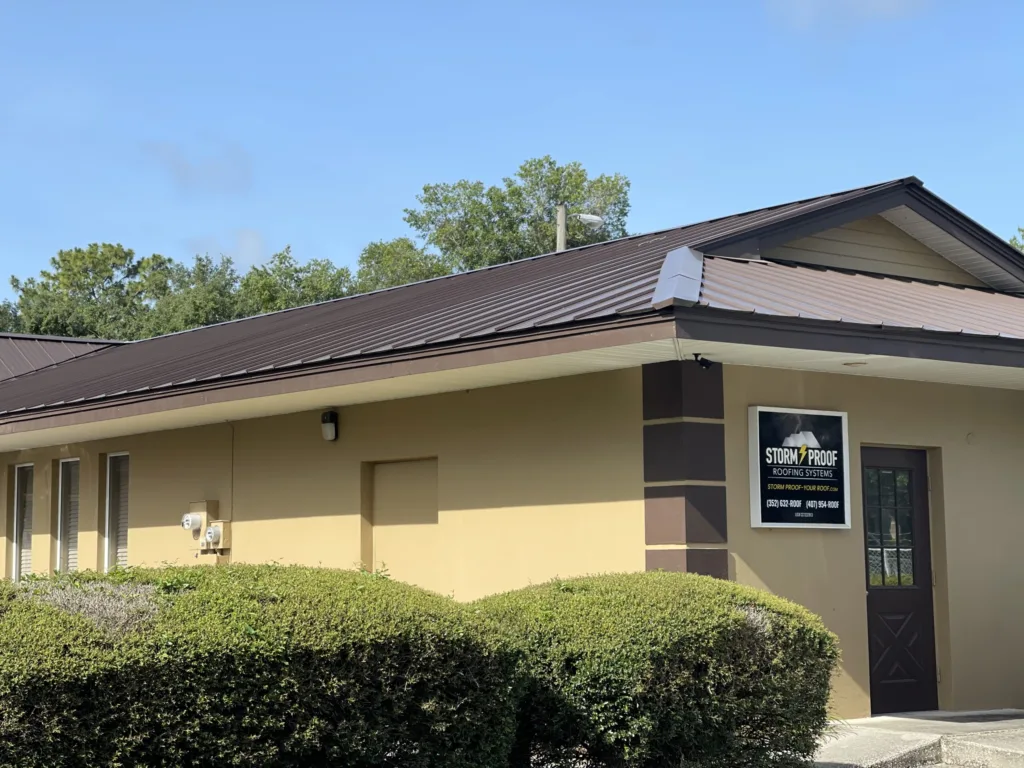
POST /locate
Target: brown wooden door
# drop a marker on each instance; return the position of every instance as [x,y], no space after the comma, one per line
[901,623]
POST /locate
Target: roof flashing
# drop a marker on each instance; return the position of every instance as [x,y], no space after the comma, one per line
[680,278]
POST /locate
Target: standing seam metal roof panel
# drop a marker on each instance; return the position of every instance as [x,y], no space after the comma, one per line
[781,289]
[601,281]
[24,353]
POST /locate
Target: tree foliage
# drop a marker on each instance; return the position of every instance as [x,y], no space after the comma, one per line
[197,295]
[385,264]
[107,291]
[1017,241]
[473,225]
[284,283]
[102,291]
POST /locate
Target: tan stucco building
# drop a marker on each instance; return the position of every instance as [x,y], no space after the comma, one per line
[589,411]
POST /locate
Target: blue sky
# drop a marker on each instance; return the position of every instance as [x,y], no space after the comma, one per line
[240,127]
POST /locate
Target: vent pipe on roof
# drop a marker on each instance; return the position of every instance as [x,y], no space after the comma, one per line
[560,227]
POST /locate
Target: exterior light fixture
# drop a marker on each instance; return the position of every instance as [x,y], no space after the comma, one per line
[590,221]
[329,425]
[703,362]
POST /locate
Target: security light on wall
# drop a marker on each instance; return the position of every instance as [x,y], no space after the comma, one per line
[703,362]
[329,425]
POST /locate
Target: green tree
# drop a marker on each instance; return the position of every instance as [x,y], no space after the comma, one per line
[473,225]
[1016,241]
[101,291]
[385,264]
[283,283]
[10,320]
[105,291]
[197,295]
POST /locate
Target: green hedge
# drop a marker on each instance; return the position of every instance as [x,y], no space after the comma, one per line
[275,666]
[247,666]
[665,669]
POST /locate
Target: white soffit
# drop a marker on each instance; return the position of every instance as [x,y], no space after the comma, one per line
[395,388]
[531,369]
[947,246]
[876,366]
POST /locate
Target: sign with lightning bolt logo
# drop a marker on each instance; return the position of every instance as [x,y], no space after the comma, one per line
[799,468]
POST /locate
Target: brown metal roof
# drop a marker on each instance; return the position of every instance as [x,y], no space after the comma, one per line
[600,282]
[23,353]
[782,289]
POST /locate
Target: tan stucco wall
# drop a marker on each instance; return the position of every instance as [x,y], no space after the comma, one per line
[535,480]
[976,442]
[545,478]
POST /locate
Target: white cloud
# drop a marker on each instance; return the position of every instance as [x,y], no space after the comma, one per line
[807,13]
[227,171]
[246,247]
[249,248]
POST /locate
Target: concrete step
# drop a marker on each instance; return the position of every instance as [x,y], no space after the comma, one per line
[988,739]
[996,749]
[877,748]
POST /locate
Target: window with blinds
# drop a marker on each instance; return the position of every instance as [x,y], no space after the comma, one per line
[67,516]
[23,479]
[117,511]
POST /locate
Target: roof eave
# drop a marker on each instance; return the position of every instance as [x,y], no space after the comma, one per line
[720,325]
[534,343]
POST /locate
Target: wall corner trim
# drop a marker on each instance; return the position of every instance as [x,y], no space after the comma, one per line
[680,278]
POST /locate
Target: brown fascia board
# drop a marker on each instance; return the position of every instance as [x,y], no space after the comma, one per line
[966,230]
[842,211]
[706,324]
[620,332]
[684,322]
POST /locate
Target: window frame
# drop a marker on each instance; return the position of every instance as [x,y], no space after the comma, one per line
[110,542]
[60,507]
[19,512]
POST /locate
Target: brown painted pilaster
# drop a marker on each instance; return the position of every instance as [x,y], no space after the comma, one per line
[684,469]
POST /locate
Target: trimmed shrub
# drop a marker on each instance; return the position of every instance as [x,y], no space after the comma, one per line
[247,666]
[665,669]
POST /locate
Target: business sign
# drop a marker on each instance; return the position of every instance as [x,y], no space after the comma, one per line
[799,468]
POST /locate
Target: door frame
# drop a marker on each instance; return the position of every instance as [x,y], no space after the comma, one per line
[898,457]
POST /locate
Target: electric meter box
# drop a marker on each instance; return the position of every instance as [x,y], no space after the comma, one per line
[197,521]
[192,521]
[208,507]
[216,537]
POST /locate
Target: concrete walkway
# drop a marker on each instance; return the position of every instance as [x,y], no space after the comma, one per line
[975,739]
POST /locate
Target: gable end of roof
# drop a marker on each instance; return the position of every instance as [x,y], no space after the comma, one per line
[993,260]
